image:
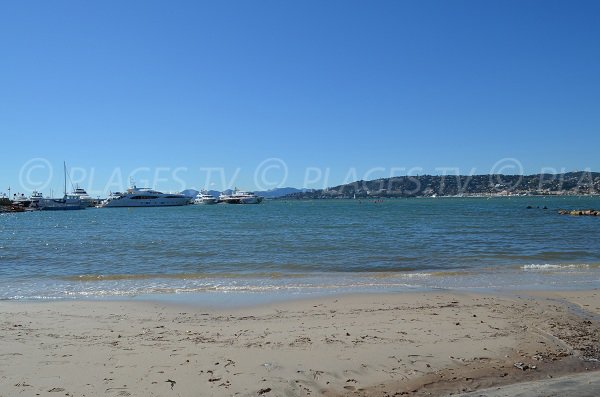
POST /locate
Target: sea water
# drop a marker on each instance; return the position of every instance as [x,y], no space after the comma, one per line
[292,248]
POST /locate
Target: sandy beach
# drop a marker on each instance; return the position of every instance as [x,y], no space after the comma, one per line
[426,343]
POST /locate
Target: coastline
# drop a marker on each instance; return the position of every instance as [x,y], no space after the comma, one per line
[419,343]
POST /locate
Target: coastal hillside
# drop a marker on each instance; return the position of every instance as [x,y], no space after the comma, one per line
[572,183]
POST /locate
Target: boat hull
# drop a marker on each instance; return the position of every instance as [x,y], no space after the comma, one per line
[58,204]
[21,202]
[158,202]
[230,201]
[251,200]
[205,201]
[243,200]
[62,208]
[88,202]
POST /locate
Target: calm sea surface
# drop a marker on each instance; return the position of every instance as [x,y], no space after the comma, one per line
[300,248]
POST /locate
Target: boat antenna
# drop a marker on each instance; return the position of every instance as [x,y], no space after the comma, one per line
[65,172]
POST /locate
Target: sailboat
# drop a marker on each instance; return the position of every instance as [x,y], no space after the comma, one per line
[68,202]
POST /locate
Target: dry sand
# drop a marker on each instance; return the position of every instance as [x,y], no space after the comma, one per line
[366,345]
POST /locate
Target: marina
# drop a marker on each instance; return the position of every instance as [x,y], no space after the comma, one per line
[133,197]
[37,201]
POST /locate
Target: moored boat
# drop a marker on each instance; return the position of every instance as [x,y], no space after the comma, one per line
[20,200]
[240,197]
[35,199]
[204,198]
[85,198]
[144,197]
[68,202]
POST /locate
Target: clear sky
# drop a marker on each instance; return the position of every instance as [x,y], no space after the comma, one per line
[331,89]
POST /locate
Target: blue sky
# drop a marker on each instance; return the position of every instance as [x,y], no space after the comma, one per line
[332,89]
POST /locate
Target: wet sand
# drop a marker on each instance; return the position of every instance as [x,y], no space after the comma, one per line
[580,385]
[365,345]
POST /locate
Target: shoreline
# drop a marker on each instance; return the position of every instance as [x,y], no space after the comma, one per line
[263,287]
[366,344]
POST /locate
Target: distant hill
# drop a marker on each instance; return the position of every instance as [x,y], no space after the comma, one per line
[193,193]
[190,193]
[572,183]
[279,192]
[274,193]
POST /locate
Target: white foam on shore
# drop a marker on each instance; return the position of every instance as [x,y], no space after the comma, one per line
[556,267]
[533,276]
[416,275]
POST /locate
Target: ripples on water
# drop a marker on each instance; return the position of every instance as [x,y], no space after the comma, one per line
[339,245]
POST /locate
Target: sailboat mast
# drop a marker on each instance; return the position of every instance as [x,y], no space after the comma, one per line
[65,172]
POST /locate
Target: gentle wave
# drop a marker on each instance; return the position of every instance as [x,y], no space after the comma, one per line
[180,276]
[385,275]
[548,266]
[282,288]
[502,279]
[452,274]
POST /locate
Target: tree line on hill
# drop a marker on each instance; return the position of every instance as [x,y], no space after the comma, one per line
[572,183]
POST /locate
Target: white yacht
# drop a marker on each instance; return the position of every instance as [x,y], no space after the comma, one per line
[204,198]
[35,199]
[240,197]
[21,200]
[144,197]
[85,198]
